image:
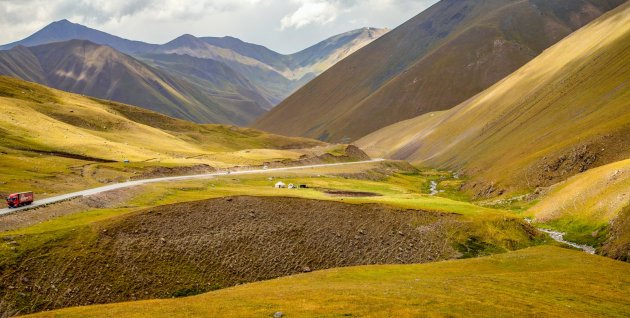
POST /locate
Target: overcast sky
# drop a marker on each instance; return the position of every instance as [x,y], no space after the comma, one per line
[282,25]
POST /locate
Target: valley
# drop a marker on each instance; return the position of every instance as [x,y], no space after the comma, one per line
[472,162]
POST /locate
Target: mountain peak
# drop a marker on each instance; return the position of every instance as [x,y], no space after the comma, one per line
[62,24]
[185,40]
[63,21]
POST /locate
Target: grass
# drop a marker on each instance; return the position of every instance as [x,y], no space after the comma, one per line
[585,204]
[400,190]
[479,231]
[542,281]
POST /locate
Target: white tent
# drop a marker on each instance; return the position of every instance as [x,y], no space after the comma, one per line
[280,185]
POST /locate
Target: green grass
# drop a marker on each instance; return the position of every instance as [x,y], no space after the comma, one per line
[400,190]
[541,281]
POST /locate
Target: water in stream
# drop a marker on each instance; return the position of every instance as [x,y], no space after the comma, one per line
[559,237]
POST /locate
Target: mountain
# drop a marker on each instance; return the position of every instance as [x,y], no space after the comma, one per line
[64,30]
[436,60]
[206,80]
[563,113]
[276,75]
[100,71]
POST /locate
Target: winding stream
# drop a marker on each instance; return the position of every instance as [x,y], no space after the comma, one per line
[559,237]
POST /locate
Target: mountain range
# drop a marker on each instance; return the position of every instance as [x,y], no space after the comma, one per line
[438,59]
[205,80]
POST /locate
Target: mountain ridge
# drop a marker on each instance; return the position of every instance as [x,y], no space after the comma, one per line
[257,75]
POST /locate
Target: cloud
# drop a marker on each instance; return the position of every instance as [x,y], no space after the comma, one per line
[309,12]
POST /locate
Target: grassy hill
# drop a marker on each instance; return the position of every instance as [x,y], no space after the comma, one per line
[563,113]
[541,281]
[438,59]
[52,140]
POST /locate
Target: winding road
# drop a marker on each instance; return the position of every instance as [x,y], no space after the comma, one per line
[68,196]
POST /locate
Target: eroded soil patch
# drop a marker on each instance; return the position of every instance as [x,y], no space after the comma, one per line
[358,194]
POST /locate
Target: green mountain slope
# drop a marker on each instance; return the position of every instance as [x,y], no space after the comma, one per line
[100,71]
[563,113]
[438,59]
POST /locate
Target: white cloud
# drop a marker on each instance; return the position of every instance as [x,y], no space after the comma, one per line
[309,12]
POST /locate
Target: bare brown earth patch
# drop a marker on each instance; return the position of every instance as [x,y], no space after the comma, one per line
[358,194]
[158,172]
[185,249]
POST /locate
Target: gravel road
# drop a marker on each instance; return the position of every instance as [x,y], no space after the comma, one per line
[127,184]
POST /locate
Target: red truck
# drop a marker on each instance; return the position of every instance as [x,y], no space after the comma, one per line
[16,200]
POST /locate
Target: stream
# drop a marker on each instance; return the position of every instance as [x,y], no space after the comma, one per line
[559,237]
[433,188]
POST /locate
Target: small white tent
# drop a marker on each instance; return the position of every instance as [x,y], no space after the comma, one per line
[280,185]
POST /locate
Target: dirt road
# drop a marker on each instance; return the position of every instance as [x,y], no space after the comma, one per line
[127,184]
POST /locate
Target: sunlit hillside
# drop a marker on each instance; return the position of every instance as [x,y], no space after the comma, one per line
[561,114]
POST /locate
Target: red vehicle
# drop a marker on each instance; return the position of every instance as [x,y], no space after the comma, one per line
[16,200]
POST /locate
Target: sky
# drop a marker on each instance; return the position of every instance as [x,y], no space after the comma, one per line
[286,26]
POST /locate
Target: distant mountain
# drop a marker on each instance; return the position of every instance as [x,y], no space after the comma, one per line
[64,30]
[274,74]
[236,74]
[565,112]
[436,60]
[84,67]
